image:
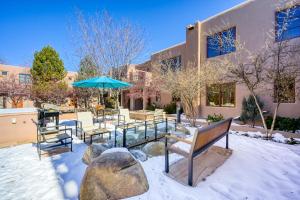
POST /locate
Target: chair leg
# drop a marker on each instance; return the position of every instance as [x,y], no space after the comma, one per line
[166,161]
[91,139]
[166,157]
[227,138]
[71,144]
[115,137]
[83,136]
[190,172]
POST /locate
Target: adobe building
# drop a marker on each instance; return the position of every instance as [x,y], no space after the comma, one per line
[23,75]
[251,22]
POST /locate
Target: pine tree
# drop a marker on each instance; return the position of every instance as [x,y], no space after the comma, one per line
[47,75]
[249,109]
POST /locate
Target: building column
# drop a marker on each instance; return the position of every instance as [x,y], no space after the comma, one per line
[145,100]
[131,103]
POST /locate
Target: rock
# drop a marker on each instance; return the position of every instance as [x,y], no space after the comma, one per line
[138,154]
[93,151]
[113,175]
[154,149]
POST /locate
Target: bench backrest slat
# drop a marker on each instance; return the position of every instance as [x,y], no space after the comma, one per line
[208,134]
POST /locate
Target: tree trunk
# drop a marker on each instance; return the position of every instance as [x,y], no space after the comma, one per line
[260,113]
[273,121]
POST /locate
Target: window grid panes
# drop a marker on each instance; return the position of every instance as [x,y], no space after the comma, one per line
[173,63]
[24,78]
[287,23]
[221,95]
[221,43]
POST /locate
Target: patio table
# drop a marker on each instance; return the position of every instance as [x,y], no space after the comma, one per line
[143,115]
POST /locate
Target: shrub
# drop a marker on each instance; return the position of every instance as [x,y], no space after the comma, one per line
[250,111]
[109,102]
[284,124]
[170,108]
[215,117]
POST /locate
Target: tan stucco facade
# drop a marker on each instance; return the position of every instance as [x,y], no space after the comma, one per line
[253,20]
[16,71]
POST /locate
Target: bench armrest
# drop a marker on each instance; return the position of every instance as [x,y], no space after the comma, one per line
[178,139]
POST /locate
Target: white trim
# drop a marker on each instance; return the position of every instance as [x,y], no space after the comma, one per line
[178,44]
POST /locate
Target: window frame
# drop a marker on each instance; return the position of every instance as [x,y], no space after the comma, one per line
[221,95]
[276,24]
[165,68]
[275,100]
[27,78]
[221,51]
[4,72]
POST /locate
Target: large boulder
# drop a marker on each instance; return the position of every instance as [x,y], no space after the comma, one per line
[93,151]
[115,174]
[154,149]
[138,154]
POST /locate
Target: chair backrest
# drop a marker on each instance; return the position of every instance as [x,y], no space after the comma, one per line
[125,112]
[86,118]
[208,134]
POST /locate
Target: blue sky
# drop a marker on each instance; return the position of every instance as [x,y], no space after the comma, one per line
[26,26]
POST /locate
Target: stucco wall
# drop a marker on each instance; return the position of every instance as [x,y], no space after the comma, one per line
[253,20]
[17,128]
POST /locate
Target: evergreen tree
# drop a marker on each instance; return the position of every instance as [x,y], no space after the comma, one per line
[87,69]
[249,109]
[47,74]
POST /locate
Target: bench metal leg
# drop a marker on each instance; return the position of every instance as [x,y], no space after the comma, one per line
[124,137]
[166,157]
[190,172]
[227,138]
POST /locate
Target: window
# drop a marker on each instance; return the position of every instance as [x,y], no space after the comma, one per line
[221,43]
[24,78]
[221,95]
[284,91]
[173,63]
[4,73]
[287,23]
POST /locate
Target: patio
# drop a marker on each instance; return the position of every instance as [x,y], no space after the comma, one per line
[248,173]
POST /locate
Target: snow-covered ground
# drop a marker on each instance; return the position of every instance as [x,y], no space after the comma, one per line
[257,169]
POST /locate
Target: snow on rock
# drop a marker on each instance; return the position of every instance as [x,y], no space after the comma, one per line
[114,150]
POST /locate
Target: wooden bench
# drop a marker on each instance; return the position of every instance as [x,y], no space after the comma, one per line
[199,143]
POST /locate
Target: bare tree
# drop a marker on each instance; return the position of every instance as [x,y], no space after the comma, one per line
[112,44]
[275,67]
[14,90]
[186,82]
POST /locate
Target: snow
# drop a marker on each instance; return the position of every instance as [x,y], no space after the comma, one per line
[257,169]
[116,150]
[279,138]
